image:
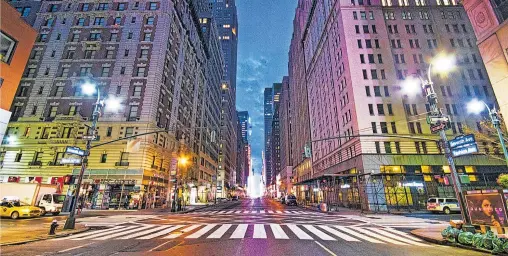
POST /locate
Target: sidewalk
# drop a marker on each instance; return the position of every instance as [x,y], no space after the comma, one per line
[431,234]
[31,233]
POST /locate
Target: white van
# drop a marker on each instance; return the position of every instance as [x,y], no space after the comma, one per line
[441,204]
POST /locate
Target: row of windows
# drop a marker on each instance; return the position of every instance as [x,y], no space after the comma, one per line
[381,109]
[383,127]
[96,36]
[418,2]
[373,74]
[85,7]
[38,157]
[86,71]
[101,21]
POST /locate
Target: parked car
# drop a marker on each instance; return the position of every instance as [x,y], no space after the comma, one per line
[44,196]
[235,198]
[291,200]
[15,209]
[445,205]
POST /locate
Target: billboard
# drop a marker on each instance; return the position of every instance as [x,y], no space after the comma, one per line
[487,209]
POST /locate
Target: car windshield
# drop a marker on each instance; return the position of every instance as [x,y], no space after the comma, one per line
[432,200]
[58,199]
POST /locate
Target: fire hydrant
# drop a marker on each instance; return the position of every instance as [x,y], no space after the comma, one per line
[53,227]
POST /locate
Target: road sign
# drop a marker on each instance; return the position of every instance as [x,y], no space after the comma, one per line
[462,141]
[465,150]
[74,151]
[438,123]
[91,137]
[70,161]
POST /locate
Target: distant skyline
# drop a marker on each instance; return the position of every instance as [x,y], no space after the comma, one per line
[264,33]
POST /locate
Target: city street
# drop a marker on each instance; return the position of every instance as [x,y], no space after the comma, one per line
[245,227]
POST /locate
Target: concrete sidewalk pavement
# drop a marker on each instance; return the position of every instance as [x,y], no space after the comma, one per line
[31,233]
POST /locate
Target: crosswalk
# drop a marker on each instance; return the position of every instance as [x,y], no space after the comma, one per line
[260,212]
[354,234]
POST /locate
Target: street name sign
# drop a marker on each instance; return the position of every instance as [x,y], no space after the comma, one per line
[465,150]
[462,141]
[70,161]
[74,151]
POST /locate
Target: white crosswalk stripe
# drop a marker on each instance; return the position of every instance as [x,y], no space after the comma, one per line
[240,231]
[123,233]
[220,231]
[299,232]
[202,231]
[380,237]
[259,231]
[183,231]
[278,232]
[356,234]
[338,234]
[369,234]
[146,232]
[319,233]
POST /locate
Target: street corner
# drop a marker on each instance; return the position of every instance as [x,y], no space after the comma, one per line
[19,236]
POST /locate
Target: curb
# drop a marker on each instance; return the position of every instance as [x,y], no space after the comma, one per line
[46,238]
[429,239]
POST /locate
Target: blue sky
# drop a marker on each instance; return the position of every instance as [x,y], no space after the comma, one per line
[265,29]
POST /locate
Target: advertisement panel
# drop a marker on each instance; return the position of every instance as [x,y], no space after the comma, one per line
[486,209]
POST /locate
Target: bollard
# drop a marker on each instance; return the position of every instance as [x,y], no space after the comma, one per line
[53,227]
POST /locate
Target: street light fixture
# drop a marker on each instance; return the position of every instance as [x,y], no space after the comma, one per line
[180,161]
[442,63]
[89,88]
[477,106]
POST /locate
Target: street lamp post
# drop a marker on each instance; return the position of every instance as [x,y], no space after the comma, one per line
[444,64]
[476,106]
[71,220]
[89,89]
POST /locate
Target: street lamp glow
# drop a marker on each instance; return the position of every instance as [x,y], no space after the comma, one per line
[475,106]
[182,160]
[443,63]
[411,86]
[112,104]
[88,88]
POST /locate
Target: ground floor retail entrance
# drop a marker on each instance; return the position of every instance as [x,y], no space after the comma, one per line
[404,190]
[121,189]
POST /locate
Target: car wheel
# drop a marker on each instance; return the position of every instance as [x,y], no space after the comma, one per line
[43,211]
[446,210]
[55,213]
[14,215]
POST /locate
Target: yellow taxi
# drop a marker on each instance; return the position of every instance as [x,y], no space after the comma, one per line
[16,210]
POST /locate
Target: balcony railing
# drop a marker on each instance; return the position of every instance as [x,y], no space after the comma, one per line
[122,164]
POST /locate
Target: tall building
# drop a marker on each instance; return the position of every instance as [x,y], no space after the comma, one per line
[243,148]
[299,106]
[155,58]
[356,56]
[275,141]
[225,14]
[16,38]
[286,138]
[268,112]
[490,23]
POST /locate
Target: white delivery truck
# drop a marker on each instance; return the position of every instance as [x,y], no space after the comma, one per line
[34,194]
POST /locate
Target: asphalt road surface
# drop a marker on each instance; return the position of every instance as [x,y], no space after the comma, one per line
[247,227]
